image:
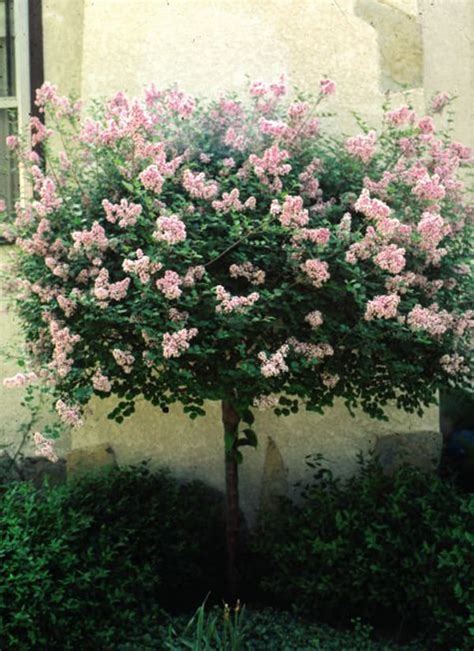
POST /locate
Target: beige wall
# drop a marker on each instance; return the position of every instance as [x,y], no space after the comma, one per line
[95,47]
[194,449]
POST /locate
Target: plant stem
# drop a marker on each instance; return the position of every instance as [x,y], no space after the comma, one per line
[230,420]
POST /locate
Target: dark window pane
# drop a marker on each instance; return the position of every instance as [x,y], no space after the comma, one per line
[7,49]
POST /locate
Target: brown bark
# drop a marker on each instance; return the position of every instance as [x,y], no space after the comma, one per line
[230,419]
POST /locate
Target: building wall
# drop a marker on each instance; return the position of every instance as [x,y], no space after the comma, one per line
[96,47]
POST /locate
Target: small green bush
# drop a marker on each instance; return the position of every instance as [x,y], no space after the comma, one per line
[81,563]
[396,551]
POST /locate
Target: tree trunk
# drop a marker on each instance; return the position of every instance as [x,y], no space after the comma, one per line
[230,419]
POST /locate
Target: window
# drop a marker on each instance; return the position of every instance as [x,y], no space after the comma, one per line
[14,89]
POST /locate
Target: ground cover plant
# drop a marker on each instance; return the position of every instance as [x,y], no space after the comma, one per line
[230,250]
[222,629]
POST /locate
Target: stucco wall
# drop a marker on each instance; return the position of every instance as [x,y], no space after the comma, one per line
[95,47]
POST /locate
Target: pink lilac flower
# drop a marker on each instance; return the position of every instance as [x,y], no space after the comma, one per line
[439,101]
[69,414]
[13,142]
[315,318]
[177,315]
[310,351]
[170,284]
[118,290]
[275,364]
[463,322]
[124,359]
[309,183]
[63,345]
[250,272]
[327,87]
[61,270]
[181,103]
[250,203]
[276,128]
[453,364]
[391,258]
[330,380]
[408,146]
[429,188]
[258,89]
[319,236]
[44,447]
[387,227]
[371,208]
[66,304]
[229,303]
[37,244]
[48,94]
[39,133]
[101,382]
[235,140]
[363,146]
[317,271]
[264,402]
[142,266]
[19,380]
[298,110]
[198,187]
[170,229]
[127,213]
[95,238]
[176,343]
[279,88]
[230,201]
[293,213]
[104,290]
[384,306]
[272,162]
[193,274]
[426,124]
[431,319]
[152,179]
[49,199]
[344,226]
[432,230]
[401,116]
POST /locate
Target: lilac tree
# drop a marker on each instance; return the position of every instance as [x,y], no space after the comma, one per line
[186,251]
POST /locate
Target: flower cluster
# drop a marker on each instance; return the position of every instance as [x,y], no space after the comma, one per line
[317,271]
[363,147]
[170,229]
[250,272]
[44,447]
[382,307]
[19,380]
[176,343]
[69,414]
[275,364]
[126,213]
[228,303]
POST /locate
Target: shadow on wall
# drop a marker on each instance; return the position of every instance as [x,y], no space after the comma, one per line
[400,44]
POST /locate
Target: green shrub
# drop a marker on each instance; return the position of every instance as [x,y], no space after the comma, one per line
[397,551]
[81,563]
